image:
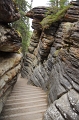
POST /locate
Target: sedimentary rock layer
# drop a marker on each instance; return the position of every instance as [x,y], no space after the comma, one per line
[9,68]
[8,11]
[37,12]
[10,43]
[9,61]
[57,65]
[5,91]
[10,40]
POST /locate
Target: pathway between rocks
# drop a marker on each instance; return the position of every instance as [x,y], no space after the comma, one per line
[26,102]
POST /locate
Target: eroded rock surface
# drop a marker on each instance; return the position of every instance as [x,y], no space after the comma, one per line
[53,64]
[10,40]
[8,11]
[10,43]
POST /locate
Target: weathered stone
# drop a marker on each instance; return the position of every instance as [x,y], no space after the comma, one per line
[8,11]
[37,12]
[52,113]
[8,61]
[35,36]
[46,41]
[4,93]
[73,97]
[56,89]
[72,14]
[39,74]
[31,49]
[31,59]
[75,3]
[10,40]
[65,109]
[9,75]
[61,109]
[36,24]
[56,66]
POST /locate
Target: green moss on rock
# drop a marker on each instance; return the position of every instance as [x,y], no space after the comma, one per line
[47,21]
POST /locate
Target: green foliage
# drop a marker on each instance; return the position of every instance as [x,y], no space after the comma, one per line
[22,25]
[47,21]
[58,3]
[55,13]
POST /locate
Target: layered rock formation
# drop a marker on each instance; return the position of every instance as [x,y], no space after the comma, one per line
[52,62]
[10,43]
[8,11]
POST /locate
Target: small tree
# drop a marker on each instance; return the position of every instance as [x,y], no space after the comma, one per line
[58,4]
[22,25]
[55,13]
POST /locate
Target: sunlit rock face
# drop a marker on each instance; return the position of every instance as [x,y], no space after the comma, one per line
[52,62]
[10,43]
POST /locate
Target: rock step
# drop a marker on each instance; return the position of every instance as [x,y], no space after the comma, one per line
[26,102]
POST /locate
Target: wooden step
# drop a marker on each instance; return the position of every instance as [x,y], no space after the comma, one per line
[23,110]
[25,99]
[26,102]
[24,116]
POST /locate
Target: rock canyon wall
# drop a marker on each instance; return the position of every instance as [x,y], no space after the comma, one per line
[52,62]
[10,43]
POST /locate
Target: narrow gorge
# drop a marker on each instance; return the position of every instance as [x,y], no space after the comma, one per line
[51,62]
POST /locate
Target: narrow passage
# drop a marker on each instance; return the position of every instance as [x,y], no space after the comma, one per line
[26,102]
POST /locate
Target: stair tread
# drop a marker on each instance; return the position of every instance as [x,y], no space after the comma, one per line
[24,110]
[26,102]
[23,116]
[24,98]
[31,101]
[26,92]
[27,95]
[32,106]
[26,113]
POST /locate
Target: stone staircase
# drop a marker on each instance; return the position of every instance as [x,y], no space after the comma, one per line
[26,102]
